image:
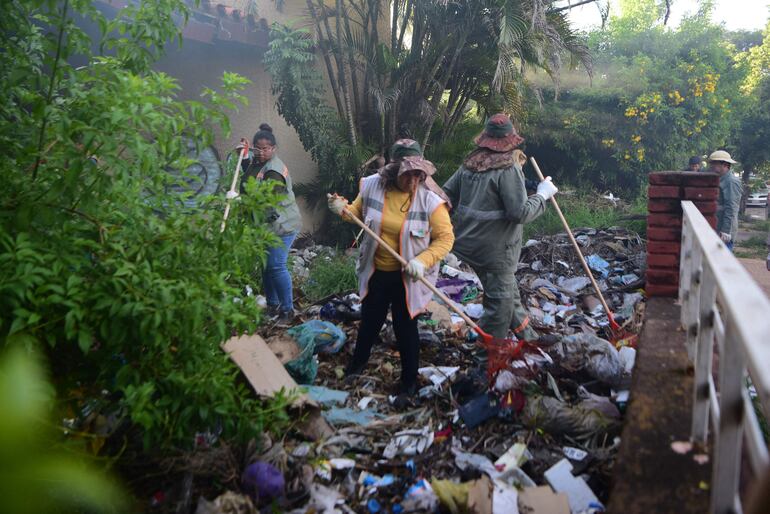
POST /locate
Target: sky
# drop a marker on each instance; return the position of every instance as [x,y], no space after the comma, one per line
[736,14]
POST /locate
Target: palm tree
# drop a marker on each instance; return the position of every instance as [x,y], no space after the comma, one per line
[440,55]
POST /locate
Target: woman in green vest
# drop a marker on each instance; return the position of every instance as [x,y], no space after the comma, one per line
[285,221]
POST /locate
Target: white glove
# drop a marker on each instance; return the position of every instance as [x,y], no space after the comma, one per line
[415,268]
[546,189]
[725,237]
[337,204]
[232,195]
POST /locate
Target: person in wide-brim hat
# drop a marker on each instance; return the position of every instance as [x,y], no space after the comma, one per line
[397,204]
[721,156]
[491,209]
[729,200]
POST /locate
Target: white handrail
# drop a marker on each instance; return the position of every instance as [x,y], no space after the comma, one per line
[721,303]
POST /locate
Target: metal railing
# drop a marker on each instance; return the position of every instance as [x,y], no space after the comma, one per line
[722,304]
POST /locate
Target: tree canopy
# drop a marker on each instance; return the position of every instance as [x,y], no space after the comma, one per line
[659,96]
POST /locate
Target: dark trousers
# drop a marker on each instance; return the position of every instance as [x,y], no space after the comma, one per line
[386,290]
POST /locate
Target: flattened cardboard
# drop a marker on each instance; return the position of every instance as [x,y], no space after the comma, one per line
[542,500]
[480,496]
[262,368]
[267,376]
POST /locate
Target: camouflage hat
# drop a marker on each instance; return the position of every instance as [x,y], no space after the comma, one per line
[404,148]
[499,134]
[415,162]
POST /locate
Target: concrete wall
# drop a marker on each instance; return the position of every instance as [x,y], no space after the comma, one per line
[197,65]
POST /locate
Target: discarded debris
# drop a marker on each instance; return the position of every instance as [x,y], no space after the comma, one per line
[347,416]
[542,500]
[263,481]
[471,439]
[580,496]
[409,442]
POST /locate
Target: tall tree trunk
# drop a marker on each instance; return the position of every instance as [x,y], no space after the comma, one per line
[436,100]
[340,61]
[394,25]
[356,92]
[455,88]
[407,13]
[460,109]
[323,43]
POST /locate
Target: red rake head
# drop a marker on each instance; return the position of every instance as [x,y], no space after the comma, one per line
[500,353]
[619,336]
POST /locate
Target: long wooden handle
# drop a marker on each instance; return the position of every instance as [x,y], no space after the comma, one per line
[241,154]
[424,280]
[576,246]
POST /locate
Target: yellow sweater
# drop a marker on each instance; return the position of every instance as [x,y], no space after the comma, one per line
[394,213]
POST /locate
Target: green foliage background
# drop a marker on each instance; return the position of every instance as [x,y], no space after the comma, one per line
[659,95]
[101,263]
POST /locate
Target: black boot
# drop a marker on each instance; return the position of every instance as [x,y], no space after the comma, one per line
[406,396]
[353,370]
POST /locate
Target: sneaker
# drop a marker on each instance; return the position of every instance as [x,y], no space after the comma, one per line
[286,317]
[352,372]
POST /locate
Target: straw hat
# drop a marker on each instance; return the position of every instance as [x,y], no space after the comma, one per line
[721,156]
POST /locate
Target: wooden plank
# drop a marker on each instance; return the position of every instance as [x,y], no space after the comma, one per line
[704,352]
[727,451]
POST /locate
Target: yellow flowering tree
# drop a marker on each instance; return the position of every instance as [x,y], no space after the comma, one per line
[660,95]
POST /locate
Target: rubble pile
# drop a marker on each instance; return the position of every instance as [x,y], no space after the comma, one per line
[537,436]
[558,293]
[303,254]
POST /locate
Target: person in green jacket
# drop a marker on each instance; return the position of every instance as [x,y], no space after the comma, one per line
[490,209]
[729,202]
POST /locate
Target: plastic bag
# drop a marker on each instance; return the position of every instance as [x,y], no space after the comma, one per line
[304,367]
[324,336]
[582,420]
[597,356]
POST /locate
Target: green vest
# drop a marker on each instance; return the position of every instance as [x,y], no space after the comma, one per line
[289,220]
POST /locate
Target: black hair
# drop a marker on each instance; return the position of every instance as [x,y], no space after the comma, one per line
[265,132]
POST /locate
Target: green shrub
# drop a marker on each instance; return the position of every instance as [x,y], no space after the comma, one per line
[583,209]
[329,275]
[47,476]
[101,261]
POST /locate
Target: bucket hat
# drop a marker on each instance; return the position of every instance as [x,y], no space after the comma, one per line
[499,134]
[415,162]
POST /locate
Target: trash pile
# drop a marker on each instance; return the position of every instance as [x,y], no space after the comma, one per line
[559,295]
[303,254]
[537,435]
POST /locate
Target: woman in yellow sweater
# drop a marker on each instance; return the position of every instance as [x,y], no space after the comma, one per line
[413,220]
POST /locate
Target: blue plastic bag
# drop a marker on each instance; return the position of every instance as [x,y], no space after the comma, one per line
[324,336]
[599,265]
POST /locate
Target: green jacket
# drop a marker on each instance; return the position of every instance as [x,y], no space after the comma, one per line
[730,191]
[489,210]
